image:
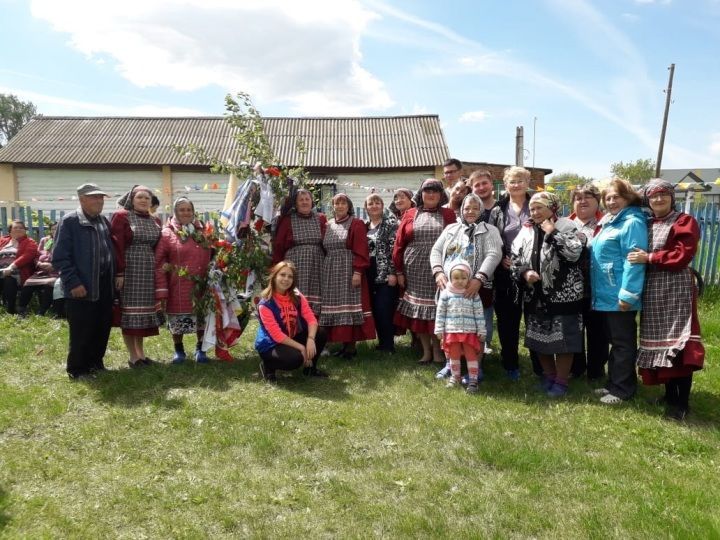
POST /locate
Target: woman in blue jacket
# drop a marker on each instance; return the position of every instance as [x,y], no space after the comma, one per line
[617,285]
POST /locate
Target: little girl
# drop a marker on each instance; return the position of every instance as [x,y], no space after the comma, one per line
[460,326]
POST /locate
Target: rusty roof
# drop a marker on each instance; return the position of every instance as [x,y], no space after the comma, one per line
[384,142]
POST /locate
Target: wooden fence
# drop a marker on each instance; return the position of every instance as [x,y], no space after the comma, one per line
[706,260]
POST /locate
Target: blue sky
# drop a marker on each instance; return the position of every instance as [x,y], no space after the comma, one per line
[589,75]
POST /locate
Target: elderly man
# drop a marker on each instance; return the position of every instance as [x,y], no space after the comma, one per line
[85,259]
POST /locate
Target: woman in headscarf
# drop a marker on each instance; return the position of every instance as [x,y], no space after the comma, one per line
[178,249]
[346,314]
[545,261]
[670,345]
[402,202]
[470,240]
[135,234]
[299,239]
[419,229]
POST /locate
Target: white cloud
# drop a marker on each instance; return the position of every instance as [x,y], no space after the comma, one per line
[304,53]
[632,17]
[473,116]
[714,147]
[58,106]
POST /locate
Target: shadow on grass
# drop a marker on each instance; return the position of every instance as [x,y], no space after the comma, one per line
[4,516]
[704,406]
[137,387]
[130,388]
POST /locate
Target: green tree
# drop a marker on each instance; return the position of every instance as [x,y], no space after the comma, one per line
[563,183]
[14,114]
[637,172]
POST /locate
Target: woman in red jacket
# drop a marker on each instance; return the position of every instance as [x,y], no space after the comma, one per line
[671,348]
[419,229]
[17,260]
[178,248]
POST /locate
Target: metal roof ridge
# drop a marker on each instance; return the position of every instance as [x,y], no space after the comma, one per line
[206,117]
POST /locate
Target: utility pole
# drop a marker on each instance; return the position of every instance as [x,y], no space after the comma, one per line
[665,120]
[534,125]
[519,146]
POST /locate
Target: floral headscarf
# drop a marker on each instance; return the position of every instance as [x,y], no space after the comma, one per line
[548,200]
[184,231]
[657,185]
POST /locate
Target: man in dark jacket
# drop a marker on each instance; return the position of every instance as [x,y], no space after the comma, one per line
[84,257]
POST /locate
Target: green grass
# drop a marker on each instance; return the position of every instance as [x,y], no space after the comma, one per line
[380,449]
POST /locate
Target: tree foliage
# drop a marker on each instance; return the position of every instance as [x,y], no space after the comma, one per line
[253,148]
[637,172]
[570,179]
[563,183]
[14,114]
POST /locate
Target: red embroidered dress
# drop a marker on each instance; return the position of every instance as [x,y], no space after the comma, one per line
[670,344]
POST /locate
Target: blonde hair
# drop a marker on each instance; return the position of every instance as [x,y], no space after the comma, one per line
[516,172]
[268,291]
[480,173]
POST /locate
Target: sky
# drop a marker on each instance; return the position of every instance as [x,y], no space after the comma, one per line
[586,79]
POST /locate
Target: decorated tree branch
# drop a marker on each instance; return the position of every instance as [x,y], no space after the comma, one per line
[241,248]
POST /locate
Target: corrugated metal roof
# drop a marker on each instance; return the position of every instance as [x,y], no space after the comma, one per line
[389,142]
[317,180]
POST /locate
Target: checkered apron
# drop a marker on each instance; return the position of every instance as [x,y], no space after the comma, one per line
[341,303]
[418,302]
[139,307]
[667,306]
[307,255]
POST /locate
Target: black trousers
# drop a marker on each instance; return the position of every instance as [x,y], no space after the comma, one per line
[595,355]
[509,312]
[89,324]
[9,293]
[286,358]
[383,299]
[621,328]
[45,294]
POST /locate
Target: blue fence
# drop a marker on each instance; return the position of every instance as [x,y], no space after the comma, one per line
[706,260]
[38,222]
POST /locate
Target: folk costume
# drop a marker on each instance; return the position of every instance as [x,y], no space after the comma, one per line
[135,235]
[345,310]
[417,233]
[299,239]
[670,345]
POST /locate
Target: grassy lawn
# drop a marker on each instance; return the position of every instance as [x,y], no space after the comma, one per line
[379,449]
